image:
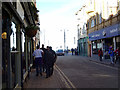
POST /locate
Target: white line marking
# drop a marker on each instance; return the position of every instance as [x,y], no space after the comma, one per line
[65,77]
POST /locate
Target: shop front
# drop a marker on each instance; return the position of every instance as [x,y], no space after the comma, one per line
[82,46]
[104,38]
[11,47]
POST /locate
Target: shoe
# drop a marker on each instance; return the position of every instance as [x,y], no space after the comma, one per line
[36,74]
[112,64]
[41,74]
[47,76]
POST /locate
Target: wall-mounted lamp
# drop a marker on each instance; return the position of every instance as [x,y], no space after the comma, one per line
[4,35]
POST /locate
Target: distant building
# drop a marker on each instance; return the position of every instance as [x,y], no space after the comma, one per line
[82,31]
[98,26]
[103,26]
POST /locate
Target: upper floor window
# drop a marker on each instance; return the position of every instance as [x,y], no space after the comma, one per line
[87,25]
[92,23]
[95,22]
[100,18]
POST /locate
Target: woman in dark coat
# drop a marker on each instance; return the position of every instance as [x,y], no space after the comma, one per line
[100,54]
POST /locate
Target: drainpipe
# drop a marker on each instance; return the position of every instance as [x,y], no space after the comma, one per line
[18,57]
[9,68]
[26,53]
[21,59]
[114,41]
[0,48]
[31,52]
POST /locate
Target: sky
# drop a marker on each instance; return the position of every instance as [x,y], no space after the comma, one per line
[57,16]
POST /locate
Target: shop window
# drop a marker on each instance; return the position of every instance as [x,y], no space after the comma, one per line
[13,37]
[23,53]
[94,47]
[99,45]
[13,48]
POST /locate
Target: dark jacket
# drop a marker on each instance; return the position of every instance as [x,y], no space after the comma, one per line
[54,56]
[48,58]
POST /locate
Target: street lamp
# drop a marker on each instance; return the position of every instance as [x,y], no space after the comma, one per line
[64,38]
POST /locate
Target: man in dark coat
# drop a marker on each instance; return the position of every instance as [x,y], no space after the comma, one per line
[43,60]
[48,61]
[53,60]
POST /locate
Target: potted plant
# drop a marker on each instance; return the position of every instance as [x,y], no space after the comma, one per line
[31,30]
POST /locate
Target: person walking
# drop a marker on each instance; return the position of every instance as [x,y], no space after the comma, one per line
[38,53]
[53,60]
[117,54]
[43,58]
[100,54]
[111,53]
[72,50]
[48,62]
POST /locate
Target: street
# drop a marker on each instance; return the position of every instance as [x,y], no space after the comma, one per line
[87,74]
[76,72]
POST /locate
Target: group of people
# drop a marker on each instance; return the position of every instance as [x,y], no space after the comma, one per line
[114,55]
[44,60]
[74,51]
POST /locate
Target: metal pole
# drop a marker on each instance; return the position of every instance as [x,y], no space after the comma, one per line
[64,39]
[18,58]
[0,46]
[9,68]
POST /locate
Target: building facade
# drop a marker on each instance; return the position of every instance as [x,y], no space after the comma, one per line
[17,47]
[82,31]
[103,26]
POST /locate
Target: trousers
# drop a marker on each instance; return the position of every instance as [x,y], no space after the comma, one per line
[38,65]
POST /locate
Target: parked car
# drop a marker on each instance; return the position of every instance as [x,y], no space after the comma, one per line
[60,52]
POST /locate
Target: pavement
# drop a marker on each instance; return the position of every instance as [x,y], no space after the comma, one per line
[58,80]
[55,81]
[104,61]
[95,58]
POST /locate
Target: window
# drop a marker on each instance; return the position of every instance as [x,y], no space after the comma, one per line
[99,45]
[100,18]
[92,23]
[13,37]
[95,21]
[87,25]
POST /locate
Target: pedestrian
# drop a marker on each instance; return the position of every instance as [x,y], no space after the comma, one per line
[43,58]
[72,50]
[48,62]
[100,54]
[117,54]
[53,60]
[76,51]
[111,53]
[38,53]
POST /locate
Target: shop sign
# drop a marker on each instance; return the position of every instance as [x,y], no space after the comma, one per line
[111,31]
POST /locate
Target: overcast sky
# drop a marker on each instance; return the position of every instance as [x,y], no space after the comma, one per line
[55,17]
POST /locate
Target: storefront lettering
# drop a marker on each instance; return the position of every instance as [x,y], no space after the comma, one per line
[97,35]
[113,30]
[104,33]
[119,29]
